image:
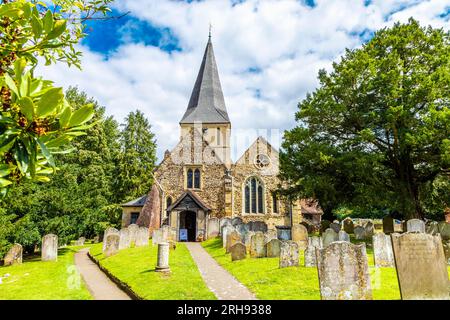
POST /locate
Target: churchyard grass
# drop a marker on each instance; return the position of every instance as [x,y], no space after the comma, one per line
[44,280]
[267,281]
[136,267]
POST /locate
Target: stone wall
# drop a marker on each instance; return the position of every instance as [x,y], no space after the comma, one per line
[126,215]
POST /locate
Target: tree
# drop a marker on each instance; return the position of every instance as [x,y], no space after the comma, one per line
[138,157]
[376,133]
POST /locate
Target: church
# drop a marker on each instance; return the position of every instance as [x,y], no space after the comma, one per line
[197,180]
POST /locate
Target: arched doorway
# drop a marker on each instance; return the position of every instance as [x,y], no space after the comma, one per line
[188,221]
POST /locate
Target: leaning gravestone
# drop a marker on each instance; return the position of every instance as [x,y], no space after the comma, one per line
[225,231]
[289,254]
[232,238]
[157,237]
[112,244]
[236,221]
[213,228]
[415,225]
[124,239]
[273,248]
[224,222]
[107,232]
[348,225]
[310,252]
[343,236]
[50,247]
[336,226]
[421,266]
[343,272]
[257,248]
[133,228]
[14,255]
[142,237]
[300,235]
[382,250]
[238,251]
[329,236]
[388,225]
[360,233]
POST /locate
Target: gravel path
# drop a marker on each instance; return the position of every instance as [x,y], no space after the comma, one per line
[98,284]
[218,280]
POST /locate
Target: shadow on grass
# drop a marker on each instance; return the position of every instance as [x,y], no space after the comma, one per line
[148,271]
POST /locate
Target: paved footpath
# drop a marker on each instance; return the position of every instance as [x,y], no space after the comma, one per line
[98,284]
[218,280]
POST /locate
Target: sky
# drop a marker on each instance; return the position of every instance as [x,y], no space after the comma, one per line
[268,54]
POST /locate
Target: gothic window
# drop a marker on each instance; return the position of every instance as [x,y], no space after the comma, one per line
[262,161]
[189,178]
[197,179]
[274,203]
[253,196]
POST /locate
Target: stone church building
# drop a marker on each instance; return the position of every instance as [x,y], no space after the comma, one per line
[197,180]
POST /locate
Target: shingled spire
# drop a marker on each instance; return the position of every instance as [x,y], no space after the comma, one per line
[207,104]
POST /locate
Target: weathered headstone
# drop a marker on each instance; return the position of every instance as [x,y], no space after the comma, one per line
[213,227]
[142,237]
[133,228]
[112,244]
[273,248]
[310,252]
[242,229]
[329,236]
[80,241]
[247,239]
[50,247]
[96,239]
[107,232]
[343,236]
[124,239]
[382,250]
[300,235]
[232,238]
[227,229]
[235,221]
[348,225]
[369,229]
[360,233]
[283,233]
[432,227]
[269,235]
[388,225]
[224,222]
[289,254]
[335,226]
[238,251]
[444,230]
[162,263]
[257,248]
[257,226]
[446,245]
[14,255]
[421,266]
[415,225]
[343,272]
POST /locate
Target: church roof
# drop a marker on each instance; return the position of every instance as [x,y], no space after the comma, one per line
[194,197]
[207,104]
[139,202]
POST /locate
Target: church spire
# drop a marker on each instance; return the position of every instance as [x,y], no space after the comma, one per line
[207,104]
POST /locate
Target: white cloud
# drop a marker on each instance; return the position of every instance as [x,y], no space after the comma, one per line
[288,43]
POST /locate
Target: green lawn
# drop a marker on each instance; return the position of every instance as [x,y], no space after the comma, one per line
[263,277]
[38,280]
[136,267]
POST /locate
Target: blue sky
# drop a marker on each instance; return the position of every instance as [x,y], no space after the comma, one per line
[268,54]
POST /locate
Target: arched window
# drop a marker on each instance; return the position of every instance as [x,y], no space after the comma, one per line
[168,202]
[189,178]
[197,179]
[254,196]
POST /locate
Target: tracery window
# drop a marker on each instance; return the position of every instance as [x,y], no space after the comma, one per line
[197,179]
[254,196]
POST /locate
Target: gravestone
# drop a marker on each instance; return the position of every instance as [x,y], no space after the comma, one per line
[273,248]
[289,254]
[157,237]
[14,255]
[324,225]
[343,236]
[213,227]
[421,266]
[269,235]
[343,272]
[107,232]
[336,226]
[238,251]
[257,226]
[310,252]
[49,247]
[444,230]
[446,246]
[224,222]
[348,225]
[124,239]
[242,229]
[112,244]
[300,235]
[142,237]
[415,225]
[283,233]
[96,239]
[235,221]
[360,233]
[167,233]
[227,229]
[232,238]
[382,250]
[369,229]
[432,227]
[329,236]
[162,263]
[247,239]
[80,241]
[257,248]
[388,225]
[133,228]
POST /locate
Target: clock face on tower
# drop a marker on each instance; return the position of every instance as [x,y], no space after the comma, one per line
[262,161]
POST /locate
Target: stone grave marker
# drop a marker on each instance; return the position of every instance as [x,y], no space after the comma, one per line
[124,239]
[299,234]
[242,229]
[382,250]
[247,239]
[112,244]
[289,254]
[421,266]
[232,238]
[269,235]
[343,236]
[369,229]
[49,248]
[14,255]
[80,241]
[108,231]
[388,225]
[142,237]
[343,272]
[162,263]
[213,227]
[224,222]
[273,248]
[415,225]
[348,225]
[225,231]
[133,228]
[283,233]
[257,226]
[257,248]
[235,221]
[238,251]
[336,226]
[360,233]
[310,252]
[157,237]
[329,236]
[432,227]
[444,230]
[324,225]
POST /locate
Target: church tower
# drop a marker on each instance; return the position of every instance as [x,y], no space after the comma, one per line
[206,110]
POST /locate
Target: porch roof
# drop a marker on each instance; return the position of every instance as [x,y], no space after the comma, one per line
[194,197]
